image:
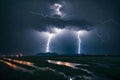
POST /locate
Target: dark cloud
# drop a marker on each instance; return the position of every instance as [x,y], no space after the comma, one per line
[46,21]
[18,16]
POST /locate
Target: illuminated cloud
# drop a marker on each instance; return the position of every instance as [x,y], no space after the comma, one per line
[43,23]
[56,7]
[54,30]
[51,34]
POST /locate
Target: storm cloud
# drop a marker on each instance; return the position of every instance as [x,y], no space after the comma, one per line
[42,23]
[100,17]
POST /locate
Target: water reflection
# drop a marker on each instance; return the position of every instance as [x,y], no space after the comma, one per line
[74,66]
[68,64]
[32,65]
[15,67]
[27,63]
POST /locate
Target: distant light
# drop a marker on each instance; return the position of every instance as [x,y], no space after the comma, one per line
[21,55]
[17,55]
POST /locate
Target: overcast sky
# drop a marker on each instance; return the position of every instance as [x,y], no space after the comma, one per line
[23,21]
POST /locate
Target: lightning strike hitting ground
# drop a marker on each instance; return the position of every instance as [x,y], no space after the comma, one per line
[50,36]
[79,35]
[79,42]
[48,43]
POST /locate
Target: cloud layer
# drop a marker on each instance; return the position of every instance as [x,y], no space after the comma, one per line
[46,22]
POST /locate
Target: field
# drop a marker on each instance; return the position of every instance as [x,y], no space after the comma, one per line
[59,68]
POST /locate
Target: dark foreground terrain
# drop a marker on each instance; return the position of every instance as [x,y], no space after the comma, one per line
[59,68]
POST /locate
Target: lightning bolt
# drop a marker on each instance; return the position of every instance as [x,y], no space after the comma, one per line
[79,42]
[48,43]
[50,36]
[79,35]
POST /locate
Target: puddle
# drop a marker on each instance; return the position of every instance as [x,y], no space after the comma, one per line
[73,65]
[27,63]
[68,64]
[15,67]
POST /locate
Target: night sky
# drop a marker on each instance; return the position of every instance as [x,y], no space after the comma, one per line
[24,24]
